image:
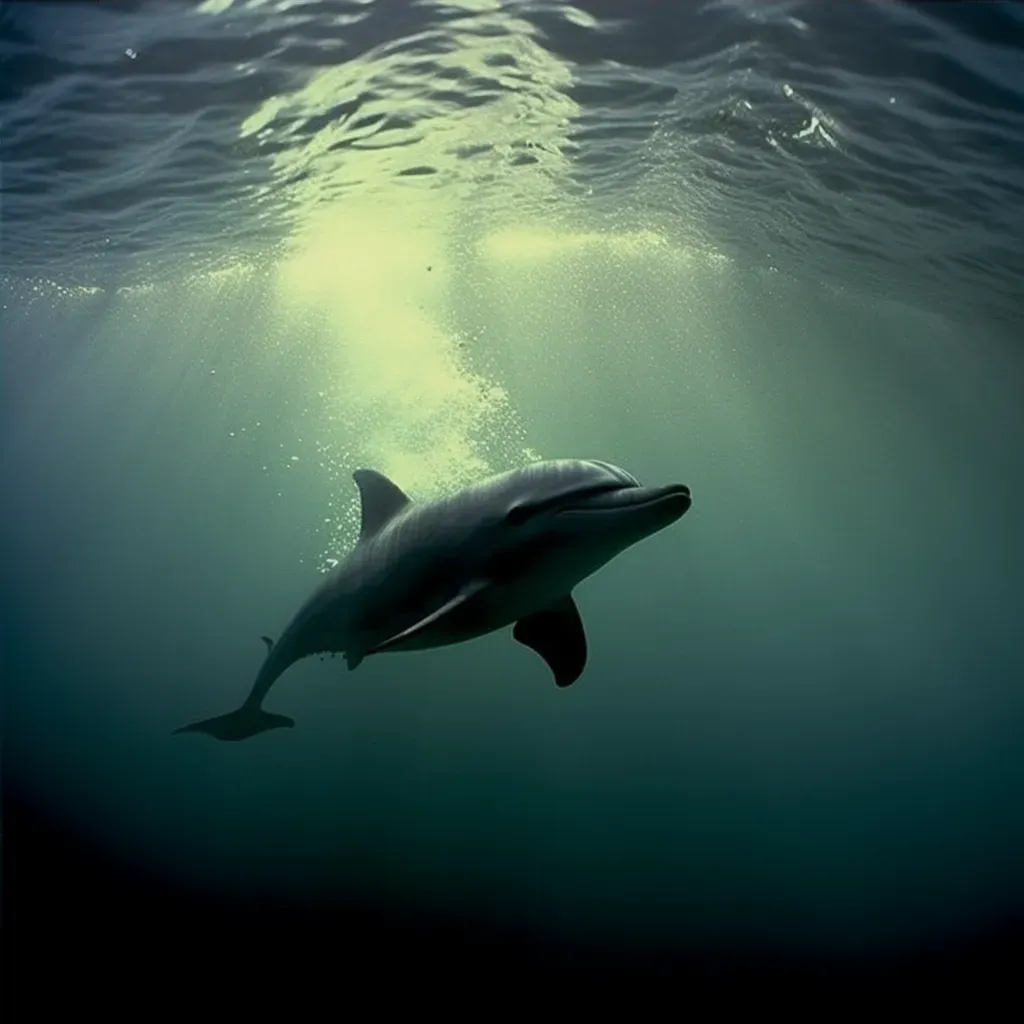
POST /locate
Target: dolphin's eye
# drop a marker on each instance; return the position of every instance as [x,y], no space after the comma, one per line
[518,514]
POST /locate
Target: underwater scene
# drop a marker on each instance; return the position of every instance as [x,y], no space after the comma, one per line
[509,485]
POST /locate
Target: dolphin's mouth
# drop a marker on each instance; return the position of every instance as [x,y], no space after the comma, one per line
[618,498]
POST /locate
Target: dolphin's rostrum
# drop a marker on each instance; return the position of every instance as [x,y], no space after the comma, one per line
[507,550]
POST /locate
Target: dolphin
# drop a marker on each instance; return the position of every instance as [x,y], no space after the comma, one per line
[507,551]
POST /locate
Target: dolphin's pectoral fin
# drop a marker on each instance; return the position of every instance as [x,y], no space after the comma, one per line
[268,642]
[381,500]
[556,634]
[469,590]
[353,659]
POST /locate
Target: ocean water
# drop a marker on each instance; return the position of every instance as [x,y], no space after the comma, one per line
[772,250]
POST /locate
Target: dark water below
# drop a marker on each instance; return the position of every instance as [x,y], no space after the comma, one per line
[772,250]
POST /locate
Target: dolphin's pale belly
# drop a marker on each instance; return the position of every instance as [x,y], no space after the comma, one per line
[495,607]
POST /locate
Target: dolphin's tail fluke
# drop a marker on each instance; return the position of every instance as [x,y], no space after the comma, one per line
[248,720]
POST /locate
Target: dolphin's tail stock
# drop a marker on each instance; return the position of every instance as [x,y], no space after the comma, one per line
[250,719]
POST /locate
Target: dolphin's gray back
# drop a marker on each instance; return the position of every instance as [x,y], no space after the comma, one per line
[540,482]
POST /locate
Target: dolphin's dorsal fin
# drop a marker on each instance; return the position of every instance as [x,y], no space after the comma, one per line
[268,642]
[381,499]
